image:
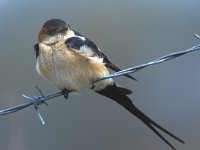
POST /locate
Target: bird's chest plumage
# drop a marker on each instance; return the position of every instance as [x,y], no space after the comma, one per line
[67,69]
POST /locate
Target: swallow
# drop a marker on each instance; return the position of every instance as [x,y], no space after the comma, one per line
[72,63]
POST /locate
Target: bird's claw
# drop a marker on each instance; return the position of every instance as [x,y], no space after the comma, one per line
[66,93]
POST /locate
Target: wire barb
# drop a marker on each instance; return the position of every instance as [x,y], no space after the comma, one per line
[197,36]
[36,101]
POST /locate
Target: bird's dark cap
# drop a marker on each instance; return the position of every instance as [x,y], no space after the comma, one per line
[54,22]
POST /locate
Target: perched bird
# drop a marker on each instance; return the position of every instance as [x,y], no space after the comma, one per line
[72,63]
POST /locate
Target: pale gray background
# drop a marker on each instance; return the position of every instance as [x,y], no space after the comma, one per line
[130,32]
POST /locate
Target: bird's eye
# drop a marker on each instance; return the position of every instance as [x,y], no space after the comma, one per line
[51,31]
[62,29]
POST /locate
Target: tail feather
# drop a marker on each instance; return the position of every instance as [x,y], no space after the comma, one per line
[124,90]
[115,94]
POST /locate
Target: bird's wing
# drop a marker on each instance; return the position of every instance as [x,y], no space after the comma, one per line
[114,93]
[87,47]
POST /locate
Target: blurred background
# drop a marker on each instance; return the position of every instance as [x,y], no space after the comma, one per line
[129,32]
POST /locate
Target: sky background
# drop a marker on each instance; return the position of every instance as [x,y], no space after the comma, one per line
[129,32]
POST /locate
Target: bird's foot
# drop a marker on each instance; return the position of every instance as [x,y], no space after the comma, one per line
[66,93]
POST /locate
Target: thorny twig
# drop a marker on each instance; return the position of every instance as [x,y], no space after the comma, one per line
[38,100]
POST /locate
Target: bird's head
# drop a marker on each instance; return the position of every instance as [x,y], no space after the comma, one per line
[53,31]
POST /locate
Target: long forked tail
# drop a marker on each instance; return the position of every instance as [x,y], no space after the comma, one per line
[113,92]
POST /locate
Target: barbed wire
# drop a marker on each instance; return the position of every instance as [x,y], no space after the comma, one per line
[36,101]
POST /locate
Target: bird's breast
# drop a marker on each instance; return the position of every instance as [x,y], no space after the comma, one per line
[68,69]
